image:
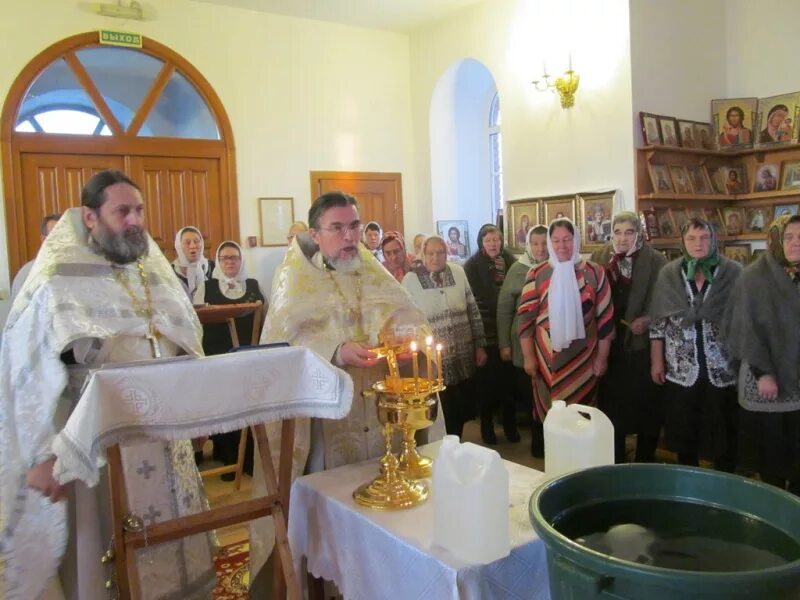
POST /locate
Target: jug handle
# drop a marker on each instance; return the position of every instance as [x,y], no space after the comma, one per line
[595,413]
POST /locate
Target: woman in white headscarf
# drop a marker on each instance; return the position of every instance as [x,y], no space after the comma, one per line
[191,266]
[229,284]
[627,394]
[566,323]
[508,324]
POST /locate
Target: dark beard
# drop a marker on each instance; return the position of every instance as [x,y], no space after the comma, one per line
[119,248]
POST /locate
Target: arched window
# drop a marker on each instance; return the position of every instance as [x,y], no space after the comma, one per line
[79,107]
[495,155]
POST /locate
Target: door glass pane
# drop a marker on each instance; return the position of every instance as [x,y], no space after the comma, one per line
[67,121]
[56,89]
[122,75]
[25,126]
[181,113]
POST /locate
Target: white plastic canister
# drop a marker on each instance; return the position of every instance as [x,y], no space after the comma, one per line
[470,501]
[576,437]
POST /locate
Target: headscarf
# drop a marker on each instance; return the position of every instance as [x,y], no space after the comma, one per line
[708,263]
[196,271]
[527,258]
[775,246]
[620,267]
[395,236]
[497,265]
[231,287]
[564,297]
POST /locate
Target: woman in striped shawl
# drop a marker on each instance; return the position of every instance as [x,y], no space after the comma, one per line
[566,323]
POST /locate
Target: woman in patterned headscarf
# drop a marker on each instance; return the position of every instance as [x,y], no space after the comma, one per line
[627,394]
[687,353]
[486,270]
[763,334]
[395,259]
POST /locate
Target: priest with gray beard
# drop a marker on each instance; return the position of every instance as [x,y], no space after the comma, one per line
[101,290]
[332,295]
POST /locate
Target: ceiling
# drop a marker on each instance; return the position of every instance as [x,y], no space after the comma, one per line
[400,16]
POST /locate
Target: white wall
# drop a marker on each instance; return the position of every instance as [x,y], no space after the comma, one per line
[546,149]
[678,58]
[301,95]
[459,143]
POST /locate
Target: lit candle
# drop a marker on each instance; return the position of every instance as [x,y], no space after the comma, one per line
[570,61]
[439,362]
[428,352]
[414,365]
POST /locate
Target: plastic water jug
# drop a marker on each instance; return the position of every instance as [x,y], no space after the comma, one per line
[470,501]
[572,441]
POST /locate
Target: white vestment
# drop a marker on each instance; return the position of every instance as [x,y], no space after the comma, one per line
[74,299]
[320,308]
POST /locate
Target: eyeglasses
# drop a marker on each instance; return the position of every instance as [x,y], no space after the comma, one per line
[230,258]
[340,228]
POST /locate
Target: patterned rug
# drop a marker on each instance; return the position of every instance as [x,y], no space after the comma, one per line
[233,575]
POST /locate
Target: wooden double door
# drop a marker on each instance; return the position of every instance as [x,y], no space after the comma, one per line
[176,191]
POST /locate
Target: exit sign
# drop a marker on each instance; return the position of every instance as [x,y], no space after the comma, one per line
[120,38]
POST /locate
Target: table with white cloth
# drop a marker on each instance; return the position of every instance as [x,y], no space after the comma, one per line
[372,554]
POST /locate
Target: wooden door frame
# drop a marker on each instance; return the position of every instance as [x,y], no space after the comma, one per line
[395,178]
[13,144]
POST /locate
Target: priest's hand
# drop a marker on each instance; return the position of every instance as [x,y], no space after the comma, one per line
[767,387]
[40,477]
[505,353]
[354,354]
[640,325]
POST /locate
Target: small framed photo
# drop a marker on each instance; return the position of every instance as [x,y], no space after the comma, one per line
[456,237]
[738,252]
[659,175]
[777,119]
[559,208]
[679,218]
[686,133]
[757,218]
[596,211]
[734,220]
[790,174]
[704,136]
[275,216]
[699,179]
[734,119]
[680,179]
[766,178]
[714,219]
[650,131]
[734,180]
[716,178]
[650,222]
[666,228]
[669,131]
[785,209]
[522,215]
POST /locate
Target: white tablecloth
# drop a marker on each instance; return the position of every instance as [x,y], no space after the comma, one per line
[372,555]
[182,398]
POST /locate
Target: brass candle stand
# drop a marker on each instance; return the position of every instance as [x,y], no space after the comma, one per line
[404,404]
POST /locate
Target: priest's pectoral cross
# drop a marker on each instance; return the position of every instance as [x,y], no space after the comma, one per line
[152,337]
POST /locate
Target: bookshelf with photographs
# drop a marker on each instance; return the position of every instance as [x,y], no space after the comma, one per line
[738,192]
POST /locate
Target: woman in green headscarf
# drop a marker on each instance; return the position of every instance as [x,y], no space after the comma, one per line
[762,327]
[688,356]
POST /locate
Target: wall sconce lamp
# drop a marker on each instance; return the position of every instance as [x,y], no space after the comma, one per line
[566,86]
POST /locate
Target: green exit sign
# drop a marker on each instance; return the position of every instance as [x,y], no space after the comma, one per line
[120,38]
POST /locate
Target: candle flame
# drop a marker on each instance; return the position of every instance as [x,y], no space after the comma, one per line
[413,346]
[429,340]
[438,347]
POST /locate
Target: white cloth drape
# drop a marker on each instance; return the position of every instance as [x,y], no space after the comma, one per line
[564,298]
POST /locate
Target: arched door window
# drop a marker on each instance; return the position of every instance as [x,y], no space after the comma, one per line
[80,107]
[495,155]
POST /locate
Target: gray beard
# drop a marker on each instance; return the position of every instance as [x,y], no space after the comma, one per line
[349,266]
[119,248]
